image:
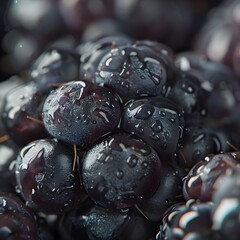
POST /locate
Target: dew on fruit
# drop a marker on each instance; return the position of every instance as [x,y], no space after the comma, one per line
[132,161]
[119,174]
[144,112]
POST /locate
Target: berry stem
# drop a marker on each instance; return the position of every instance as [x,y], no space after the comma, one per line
[4,138]
[137,207]
[75,156]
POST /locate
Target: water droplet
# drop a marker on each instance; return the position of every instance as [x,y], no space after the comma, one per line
[144,164]
[139,129]
[187,88]
[163,113]
[172,120]
[144,112]
[155,137]
[132,161]
[102,114]
[157,126]
[203,112]
[119,174]
[86,121]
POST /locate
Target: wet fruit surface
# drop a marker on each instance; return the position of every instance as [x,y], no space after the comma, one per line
[81,112]
[120,171]
[116,127]
[45,177]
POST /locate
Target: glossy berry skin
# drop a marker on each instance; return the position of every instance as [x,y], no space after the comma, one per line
[139,227]
[22,113]
[17,222]
[120,170]
[45,177]
[215,78]
[201,140]
[188,93]
[93,52]
[158,121]
[132,72]
[8,153]
[167,194]
[158,47]
[199,182]
[80,113]
[166,53]
[55,66]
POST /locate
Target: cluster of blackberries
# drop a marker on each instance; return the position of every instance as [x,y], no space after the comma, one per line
[120,139]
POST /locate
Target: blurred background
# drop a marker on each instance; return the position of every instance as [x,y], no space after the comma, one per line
[29,26]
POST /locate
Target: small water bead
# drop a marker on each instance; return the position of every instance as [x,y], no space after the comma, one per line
[139,129]
[144,165]
[119,174]
[163,113]
[81,116]
[144,112]
[132,161]
[155,137]
[172,120]
[187,88]
[161,120]
[157,126]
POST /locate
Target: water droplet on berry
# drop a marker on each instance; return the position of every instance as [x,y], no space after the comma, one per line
[144,165]
[144,112]
[157,126]
[102,115]
[187,88]
[119,174]
[132,161]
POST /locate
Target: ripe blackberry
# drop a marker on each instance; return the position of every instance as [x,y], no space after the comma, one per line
[120,170]
[81,112]
[46,178]
[158,121]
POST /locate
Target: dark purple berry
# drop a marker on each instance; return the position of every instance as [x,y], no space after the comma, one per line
[201,140]
[22,113]
[133,72]
[16,220]
[158,121]
[46,178]
[80,113]
[93,52]
[55,66]
[120,171]
[168,193]
[188,93]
